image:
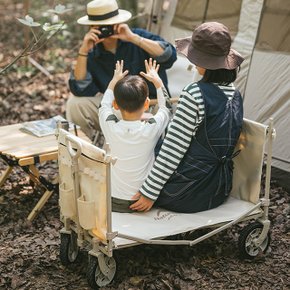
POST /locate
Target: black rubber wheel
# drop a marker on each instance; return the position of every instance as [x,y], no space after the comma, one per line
[247,237]
[68,248]
[95,277]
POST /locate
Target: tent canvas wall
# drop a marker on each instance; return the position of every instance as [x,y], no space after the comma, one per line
[262,35]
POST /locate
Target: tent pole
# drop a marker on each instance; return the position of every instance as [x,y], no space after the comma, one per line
[252,53]
[155,21]
[149,23]
[205,11]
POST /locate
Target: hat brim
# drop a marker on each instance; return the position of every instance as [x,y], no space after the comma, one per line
[205,60]
[123,16]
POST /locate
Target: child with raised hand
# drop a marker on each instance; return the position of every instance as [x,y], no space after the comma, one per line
[132,141]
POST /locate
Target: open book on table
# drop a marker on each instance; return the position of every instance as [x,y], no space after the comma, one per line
[41,128]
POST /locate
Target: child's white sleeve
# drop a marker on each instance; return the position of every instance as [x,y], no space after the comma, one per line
[106,107]
[161,95]
[162,116]
[107,98]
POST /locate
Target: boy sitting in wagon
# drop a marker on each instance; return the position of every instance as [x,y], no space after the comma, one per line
[132,140]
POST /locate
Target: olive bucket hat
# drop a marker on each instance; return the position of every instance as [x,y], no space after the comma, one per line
[209,47]
[104,12]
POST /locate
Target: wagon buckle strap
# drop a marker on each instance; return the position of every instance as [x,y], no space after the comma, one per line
[225,159]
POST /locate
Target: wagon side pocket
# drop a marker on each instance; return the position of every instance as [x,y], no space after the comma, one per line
[67,201]
[87,213]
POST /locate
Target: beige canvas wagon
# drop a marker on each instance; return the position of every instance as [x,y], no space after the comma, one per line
[85,204]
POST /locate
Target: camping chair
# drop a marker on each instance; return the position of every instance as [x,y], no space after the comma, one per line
[85,203]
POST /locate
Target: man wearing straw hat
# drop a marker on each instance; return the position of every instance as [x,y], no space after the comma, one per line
[108,40]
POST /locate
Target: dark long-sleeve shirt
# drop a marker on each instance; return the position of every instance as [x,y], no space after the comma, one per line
[101,64]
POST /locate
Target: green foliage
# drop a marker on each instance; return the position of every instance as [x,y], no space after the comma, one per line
[56,61]
[41,33]
[134,7]
[28,21]
[59,9]
[27,70]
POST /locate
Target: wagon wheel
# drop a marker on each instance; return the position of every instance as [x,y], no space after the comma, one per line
[97,277]
[247,238]
[68,248]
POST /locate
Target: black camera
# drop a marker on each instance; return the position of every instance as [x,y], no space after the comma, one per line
[106,31]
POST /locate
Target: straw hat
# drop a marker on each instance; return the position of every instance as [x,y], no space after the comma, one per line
[104,12]
[210,47]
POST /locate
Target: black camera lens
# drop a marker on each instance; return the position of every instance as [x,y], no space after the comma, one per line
[106,31]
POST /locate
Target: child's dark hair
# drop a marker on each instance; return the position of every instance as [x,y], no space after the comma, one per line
[130,93]
[221,76]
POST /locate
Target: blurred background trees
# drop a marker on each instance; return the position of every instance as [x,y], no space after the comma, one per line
[64,43]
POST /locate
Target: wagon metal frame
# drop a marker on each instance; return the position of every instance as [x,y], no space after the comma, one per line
[85,202]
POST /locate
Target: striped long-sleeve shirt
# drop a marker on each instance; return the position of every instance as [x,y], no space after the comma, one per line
[190,112]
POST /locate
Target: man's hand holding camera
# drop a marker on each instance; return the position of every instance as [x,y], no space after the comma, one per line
[98,34]
[123,32]
[90,40]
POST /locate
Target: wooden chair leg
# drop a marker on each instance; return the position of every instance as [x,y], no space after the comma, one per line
[39,205]
[34,170]
[5,175]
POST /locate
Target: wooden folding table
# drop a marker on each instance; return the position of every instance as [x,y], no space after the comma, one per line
[24,150]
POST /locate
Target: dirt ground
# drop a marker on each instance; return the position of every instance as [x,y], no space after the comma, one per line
[29,251]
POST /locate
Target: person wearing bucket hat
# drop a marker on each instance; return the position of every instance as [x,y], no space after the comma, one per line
[110,39]
[193,170]
[209,47]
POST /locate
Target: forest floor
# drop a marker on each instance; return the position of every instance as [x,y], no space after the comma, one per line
[29,250]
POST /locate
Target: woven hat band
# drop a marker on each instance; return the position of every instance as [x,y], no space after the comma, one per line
[104,16]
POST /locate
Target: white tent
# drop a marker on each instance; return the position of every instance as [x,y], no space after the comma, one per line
[261,31]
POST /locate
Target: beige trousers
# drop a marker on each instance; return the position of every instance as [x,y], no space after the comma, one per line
[83,111]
